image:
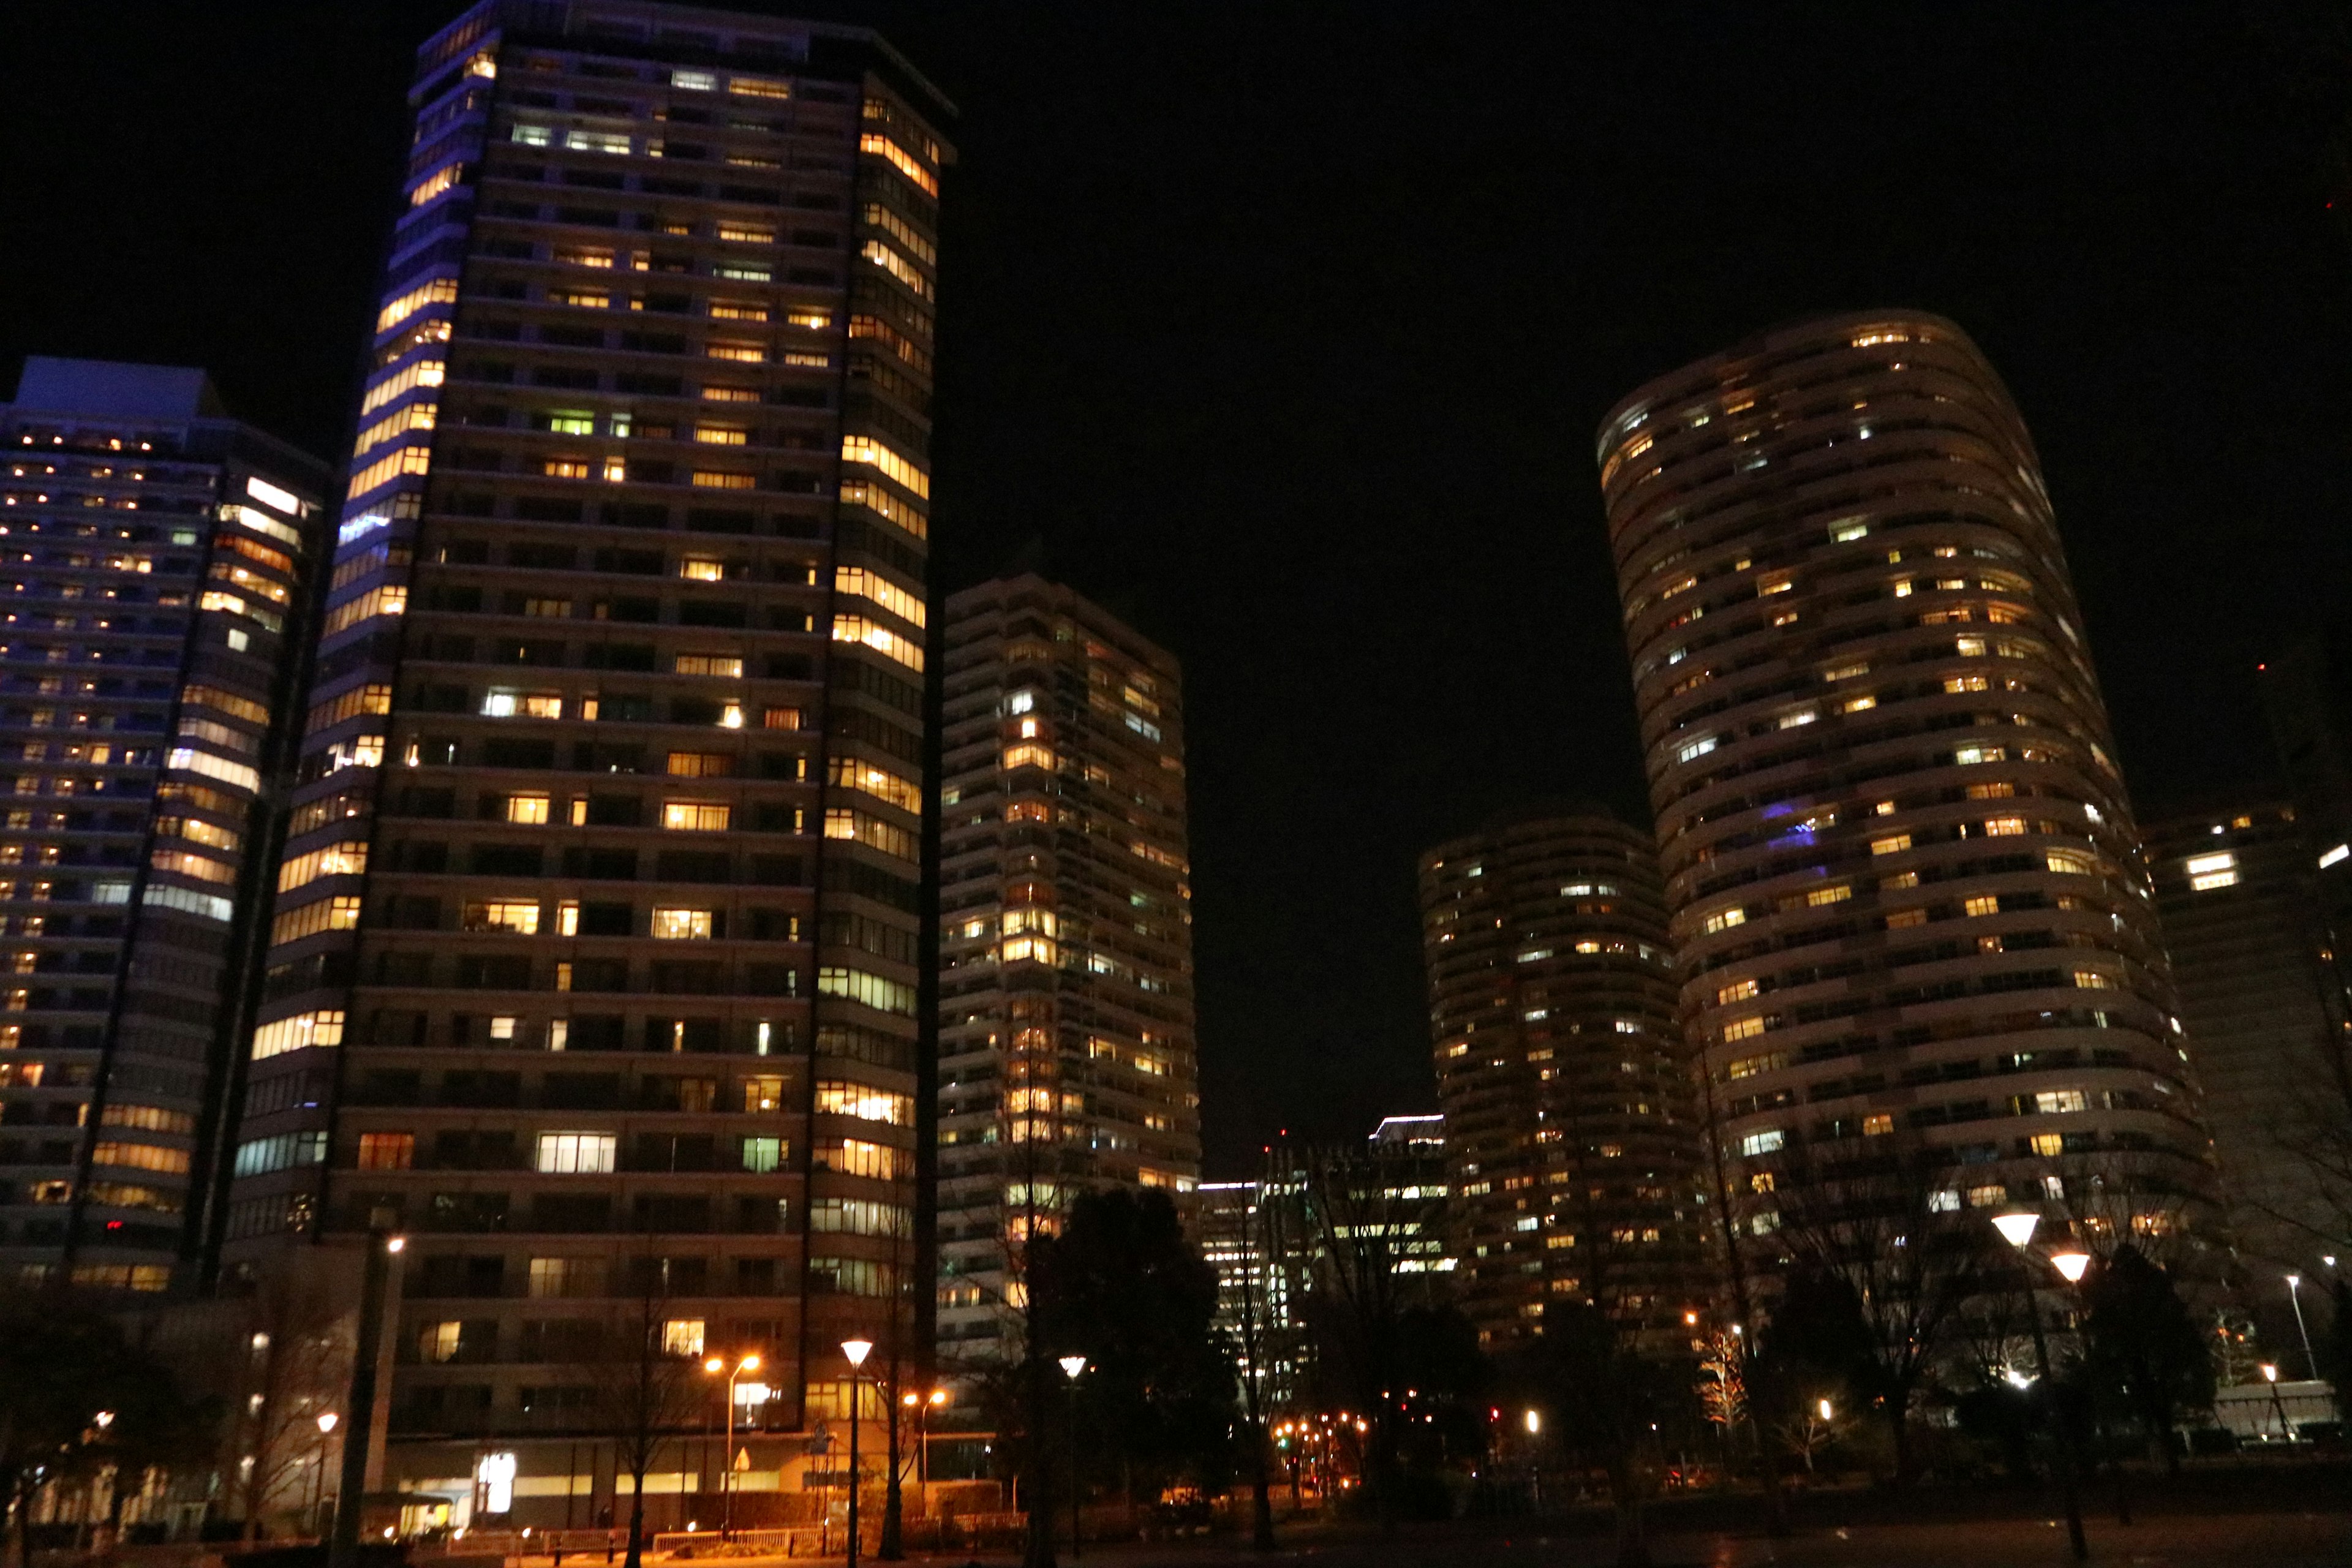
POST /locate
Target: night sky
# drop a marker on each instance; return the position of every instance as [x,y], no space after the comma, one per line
[1285,329]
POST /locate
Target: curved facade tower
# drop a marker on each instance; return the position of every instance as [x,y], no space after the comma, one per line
[1906,894]
[1572,1139]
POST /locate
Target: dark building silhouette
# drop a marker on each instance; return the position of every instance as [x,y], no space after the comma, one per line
[2237,889]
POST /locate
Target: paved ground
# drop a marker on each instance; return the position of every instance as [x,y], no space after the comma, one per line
[2301,1540]
[2273,1541]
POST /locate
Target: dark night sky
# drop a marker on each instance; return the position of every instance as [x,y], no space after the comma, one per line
[1286,327]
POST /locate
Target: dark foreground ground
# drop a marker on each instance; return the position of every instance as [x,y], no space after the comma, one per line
[2280,1516]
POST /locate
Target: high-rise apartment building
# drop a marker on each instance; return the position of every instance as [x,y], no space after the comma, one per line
[2236,888]
[1906,893]
[1066,1054]
[1571,1138]
[159,557]
[594,963]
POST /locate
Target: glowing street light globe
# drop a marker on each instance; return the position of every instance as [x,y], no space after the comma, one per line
[2017,1227]
[856,1351]
[2071,1265]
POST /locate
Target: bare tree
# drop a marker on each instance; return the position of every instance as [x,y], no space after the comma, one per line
[1873,1219]
[299,1342]
[1355,1306]
[645,1393]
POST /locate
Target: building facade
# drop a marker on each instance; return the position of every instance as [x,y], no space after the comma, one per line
[593,962]
[1066,1056]
[161,560]
[1906,895]
[1272,1241]
[1571,1137]
[2237,891]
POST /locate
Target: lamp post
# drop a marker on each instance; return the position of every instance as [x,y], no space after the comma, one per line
[751,1362]
[2017,1229]
[319,1471]
[1071,1365]
[350,1495]
[2270,1375]
[2295,1294]
[856,1351]
[936,1400]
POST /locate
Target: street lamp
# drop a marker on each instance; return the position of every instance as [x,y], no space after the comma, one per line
[2017,1228]
[1071,1366]
[319,1472]
[2295,1294]
[1825,1408]
[856,1351]
[2270,1375]
[751,1362]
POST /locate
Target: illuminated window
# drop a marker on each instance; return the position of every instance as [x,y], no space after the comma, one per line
[2060,1101]
[745,234]
[1743,1028]
[1893,846]
[741,353]
[578,1153]
[1738,990]
[682,1337]
[2092,980]
[504,704]
[722,480]
[522,918]
[2048,1144]
[716,394]
[1982,904]
[527,808]
[1726,918]
[695,815]
[2003,826]
[880,637]
[387,1150]
[2207,872]
[1820,896]
[1877,1124]
[326,914]
[721,435]
[682,924]
[730,665]
[873,585]
[865,1102]
[566,468]
[700,765]
[304,1029]
[1765,1142]
[763,1154]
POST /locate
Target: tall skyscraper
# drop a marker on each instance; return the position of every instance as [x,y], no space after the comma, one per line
[2236,888]
[1571,1137]
[593,960]
[159,557]
[1066,1056]
[1906,893]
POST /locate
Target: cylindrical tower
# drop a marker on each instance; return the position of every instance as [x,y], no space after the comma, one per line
[1570,1135]
[1906,896]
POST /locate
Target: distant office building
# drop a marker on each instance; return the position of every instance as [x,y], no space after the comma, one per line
[1272,1240]
[1066,1057]
[1904,880]
[2307,695]
[158,562]
[594,960]
[2237,889]
[1571,1138]
[1251,1239]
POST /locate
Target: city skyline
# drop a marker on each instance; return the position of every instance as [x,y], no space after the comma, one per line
[1528,683]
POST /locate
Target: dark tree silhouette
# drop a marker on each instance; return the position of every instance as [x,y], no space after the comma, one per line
[1123,1287]
[2144,1345]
